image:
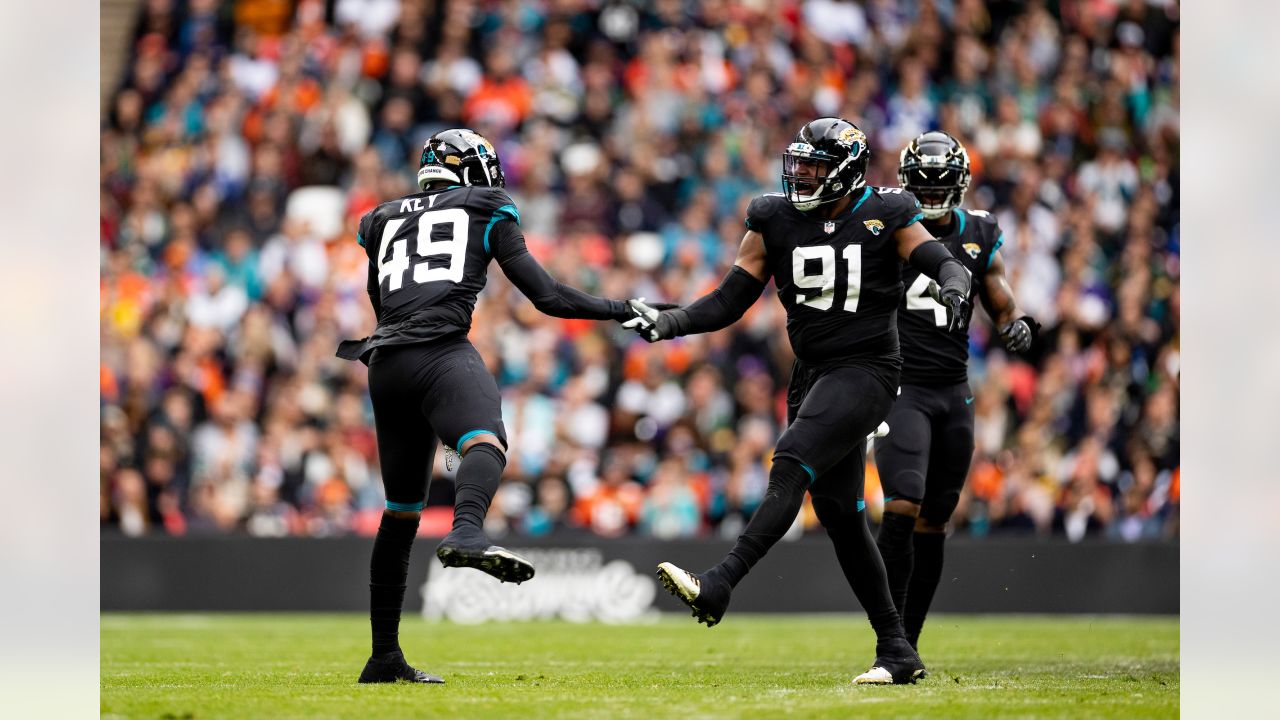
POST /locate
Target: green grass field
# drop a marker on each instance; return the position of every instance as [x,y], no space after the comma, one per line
[304,666]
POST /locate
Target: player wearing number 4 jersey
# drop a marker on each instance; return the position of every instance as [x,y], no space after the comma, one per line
[428,258]
[925,459]
[834,247]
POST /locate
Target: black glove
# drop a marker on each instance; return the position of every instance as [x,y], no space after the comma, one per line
[1019,334]
[958,309]
[652,322]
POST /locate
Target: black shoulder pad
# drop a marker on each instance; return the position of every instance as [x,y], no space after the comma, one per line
[988,230]
[761,208]
[489,199]
[900,207]
[365,228]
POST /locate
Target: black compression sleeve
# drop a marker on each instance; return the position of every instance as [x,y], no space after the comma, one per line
[934,260]
[721,307]
[548,295]
[375,292]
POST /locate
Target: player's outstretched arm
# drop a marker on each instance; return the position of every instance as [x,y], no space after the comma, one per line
[716,310]
[549,295]
[932,259]
[1017,329]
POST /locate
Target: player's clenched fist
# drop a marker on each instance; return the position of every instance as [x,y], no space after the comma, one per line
[1019,334]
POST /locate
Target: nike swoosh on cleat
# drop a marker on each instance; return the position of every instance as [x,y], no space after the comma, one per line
[968,401]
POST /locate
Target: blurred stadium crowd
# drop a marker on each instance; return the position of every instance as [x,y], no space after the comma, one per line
[247,138]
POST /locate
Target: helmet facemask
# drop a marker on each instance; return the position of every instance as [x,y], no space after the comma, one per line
[811,177]
[935,172]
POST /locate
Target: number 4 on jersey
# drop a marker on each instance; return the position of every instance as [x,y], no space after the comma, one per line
[918,298]
[393,268]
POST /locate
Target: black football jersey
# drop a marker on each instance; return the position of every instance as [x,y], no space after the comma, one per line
[840,280]
[431,252]
[931,355]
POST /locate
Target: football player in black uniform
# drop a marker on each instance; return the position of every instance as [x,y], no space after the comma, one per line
[428,256]
[835,247]
[925,458]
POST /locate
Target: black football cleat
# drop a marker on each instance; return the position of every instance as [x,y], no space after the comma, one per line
[705,594]
[896,663]
[392,667]
[472,550]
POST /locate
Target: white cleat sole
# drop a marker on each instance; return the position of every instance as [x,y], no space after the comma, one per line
[679,582]
[880,676]
[875,676]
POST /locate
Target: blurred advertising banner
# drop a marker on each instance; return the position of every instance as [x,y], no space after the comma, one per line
[574,584]
[582,578]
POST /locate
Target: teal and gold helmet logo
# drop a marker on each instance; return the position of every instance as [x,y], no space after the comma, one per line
[972,249]
[483,147]
[875,226]
[854,139]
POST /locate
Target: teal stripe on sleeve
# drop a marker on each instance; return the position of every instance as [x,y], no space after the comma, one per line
[992,255]
[507,211]
[914,220]
[360,239]
[960,217]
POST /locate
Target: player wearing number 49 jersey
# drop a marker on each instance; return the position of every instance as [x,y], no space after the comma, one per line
[925,458]
[428,259]
[834,247]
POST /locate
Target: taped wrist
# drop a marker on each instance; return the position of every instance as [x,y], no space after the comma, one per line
[721,307]
[934,260]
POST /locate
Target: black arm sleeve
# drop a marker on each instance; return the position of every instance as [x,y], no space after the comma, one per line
[934,260]
[375,292]
[548,295]
[721,307]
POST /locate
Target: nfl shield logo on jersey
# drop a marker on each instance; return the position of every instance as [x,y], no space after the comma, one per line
[829,227]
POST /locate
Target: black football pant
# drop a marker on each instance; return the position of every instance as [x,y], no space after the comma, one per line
[421,394]
[830,412]
[425,393]
[924,460]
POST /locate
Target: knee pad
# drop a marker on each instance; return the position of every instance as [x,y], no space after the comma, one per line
[834,514]
[904,485]
[491,450]
[938,510]
[788,475]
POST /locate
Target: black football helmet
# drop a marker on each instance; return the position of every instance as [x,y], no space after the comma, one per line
[826,161]
[462,157]
[935,168]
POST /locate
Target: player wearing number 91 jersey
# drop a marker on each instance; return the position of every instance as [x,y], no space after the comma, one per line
[925,458]
[835,247]
[428,259]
